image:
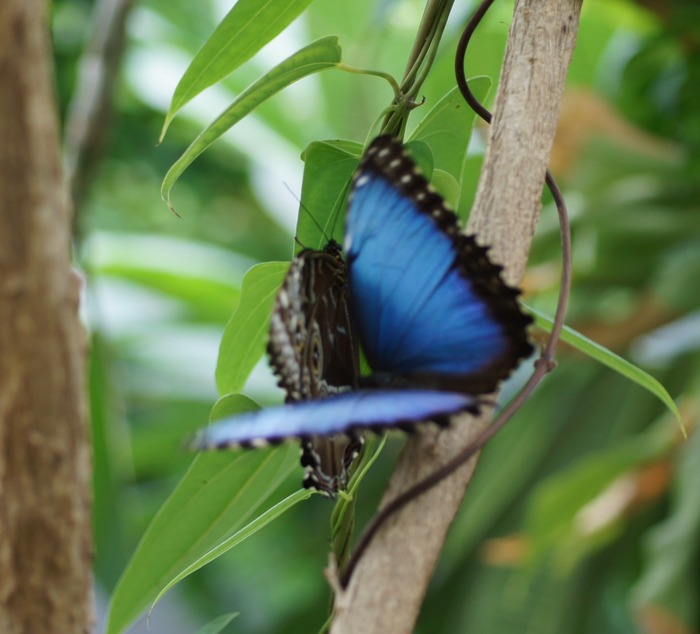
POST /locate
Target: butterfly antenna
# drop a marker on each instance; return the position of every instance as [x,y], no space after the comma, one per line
[303,207]
[336,216]
[543,365]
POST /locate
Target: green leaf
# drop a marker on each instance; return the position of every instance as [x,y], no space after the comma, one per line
[422,154]
[611,360]
[230,405]
[218,624]
[470,182]
[555,518]
[249,529]
[247,27]
[328,168]
[243,343]
[319,55]
[447,186]
[669,584]
[216,498]
[447,128]
[205,278]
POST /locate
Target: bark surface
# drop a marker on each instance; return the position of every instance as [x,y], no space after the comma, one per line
[45,528]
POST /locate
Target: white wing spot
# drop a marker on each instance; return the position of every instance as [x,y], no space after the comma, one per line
[406,178]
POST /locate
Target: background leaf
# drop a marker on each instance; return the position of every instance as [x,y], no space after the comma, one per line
[219,494]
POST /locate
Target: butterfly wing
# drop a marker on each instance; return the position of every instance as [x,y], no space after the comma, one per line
[313,352]
[348,413]
[430,307]
[311,345]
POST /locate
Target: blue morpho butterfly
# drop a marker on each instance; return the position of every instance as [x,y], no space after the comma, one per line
[437,323]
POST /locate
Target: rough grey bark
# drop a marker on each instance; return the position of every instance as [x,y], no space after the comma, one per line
[45,529]
[389,583]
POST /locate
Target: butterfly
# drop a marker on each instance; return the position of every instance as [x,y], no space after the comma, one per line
[314,353]
[437,323]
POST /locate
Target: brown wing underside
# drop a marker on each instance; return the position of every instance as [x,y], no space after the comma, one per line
[313,352]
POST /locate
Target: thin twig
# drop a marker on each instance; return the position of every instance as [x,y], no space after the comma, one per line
[89,113]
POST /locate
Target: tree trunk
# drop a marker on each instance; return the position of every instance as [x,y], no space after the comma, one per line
[388,586]
[45,528]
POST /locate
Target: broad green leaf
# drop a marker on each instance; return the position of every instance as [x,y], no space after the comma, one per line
[247,27]
[447,128]
[218,624]
[249,529]
[218,495]
[243,343]
[612,360]
[328,168]
[319,55]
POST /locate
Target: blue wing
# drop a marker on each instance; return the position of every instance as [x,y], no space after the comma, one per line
[347,413]
[426,299]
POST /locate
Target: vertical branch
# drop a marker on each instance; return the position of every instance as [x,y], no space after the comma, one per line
[90,112]
[387,588]
[45,528]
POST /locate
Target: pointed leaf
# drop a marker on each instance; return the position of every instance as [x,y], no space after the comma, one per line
[218,495]
[247,27]
[218,624]
[249,529]
[320,55]
[612,360]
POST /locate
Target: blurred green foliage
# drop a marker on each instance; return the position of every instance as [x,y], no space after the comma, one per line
[583,516]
